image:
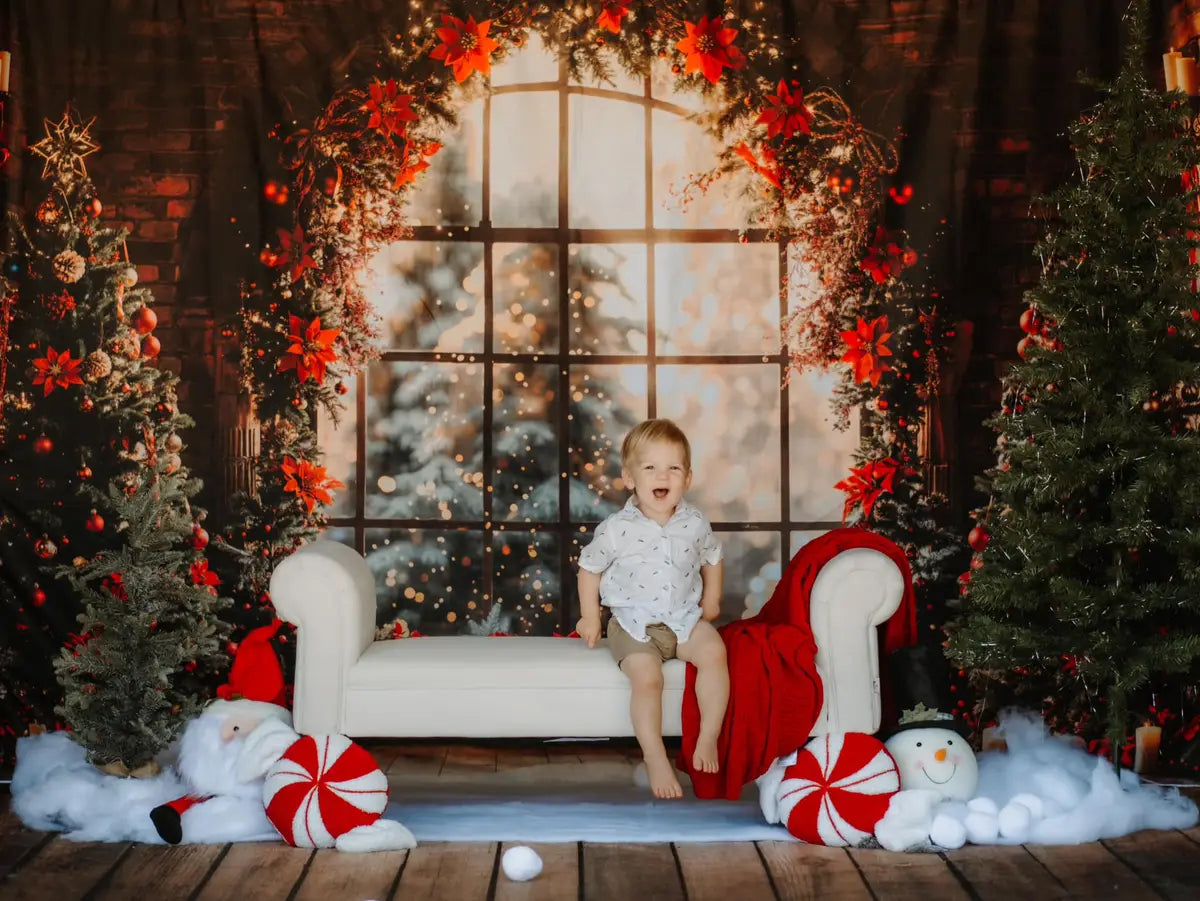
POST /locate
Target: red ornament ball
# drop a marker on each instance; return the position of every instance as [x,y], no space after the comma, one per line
[268,257]
[341,388]
[45,548]
[976,562]
[39,597]
[43,446]
[94,208]
[95,522]
[978,538]
[1032,322]
[271,190]
[87,405]
[1025,345]
[85,472]
[199,538]
[144,320]
[151,346]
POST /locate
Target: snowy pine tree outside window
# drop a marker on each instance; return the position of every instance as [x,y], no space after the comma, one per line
[556,290]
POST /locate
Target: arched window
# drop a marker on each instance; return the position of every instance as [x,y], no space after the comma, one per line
[557,289]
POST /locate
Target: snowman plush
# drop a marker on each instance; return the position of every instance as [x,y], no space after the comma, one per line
[938,776]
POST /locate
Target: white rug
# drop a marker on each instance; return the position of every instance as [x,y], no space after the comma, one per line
[598,802]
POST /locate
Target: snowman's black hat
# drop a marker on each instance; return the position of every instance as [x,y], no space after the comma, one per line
[920,683]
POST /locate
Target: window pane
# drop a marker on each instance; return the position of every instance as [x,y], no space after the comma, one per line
[525,442]
[530,63]
[683,148]
[608,298]
[606,402]
[524,159]
[450,191]
[717,298]
[820,455]
[433,580]
[525,295]
[428,296]
[607,164]
[748,555]
[731,416]
[340,445]
[423,444]
[525,578]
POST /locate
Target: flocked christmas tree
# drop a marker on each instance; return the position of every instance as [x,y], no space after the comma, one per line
[1088,583]
[97,524]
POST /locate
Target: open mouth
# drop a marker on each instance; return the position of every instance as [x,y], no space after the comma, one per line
[661,493]
[953,770]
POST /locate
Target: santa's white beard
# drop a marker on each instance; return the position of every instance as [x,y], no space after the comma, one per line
[209,764]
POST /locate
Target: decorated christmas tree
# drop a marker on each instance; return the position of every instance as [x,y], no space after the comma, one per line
[1086,584]
[97,525]
[895,346]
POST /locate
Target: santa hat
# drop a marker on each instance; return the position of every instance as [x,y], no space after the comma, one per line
[255,679]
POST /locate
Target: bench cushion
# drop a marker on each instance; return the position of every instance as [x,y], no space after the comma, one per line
[471,661]
[503,687]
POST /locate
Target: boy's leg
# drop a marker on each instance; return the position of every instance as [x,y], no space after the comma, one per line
[705,650]
[644,670]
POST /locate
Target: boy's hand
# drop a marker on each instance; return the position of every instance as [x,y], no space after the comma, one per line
[588,628]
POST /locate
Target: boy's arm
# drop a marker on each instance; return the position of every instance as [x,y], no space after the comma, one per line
[589,607]
[711,575]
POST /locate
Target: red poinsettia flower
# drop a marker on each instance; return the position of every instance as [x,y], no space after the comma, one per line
[785,113]
[56,370]
[202,575]
[709,48]
[886,258]
[308,482]
[867,484]
[390,110]
[311,349]
[866,344]
[416,161]
[612,15]
[768,168]
[293,252]
[465,46]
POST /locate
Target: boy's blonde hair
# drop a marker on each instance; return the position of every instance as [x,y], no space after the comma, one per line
[654,431]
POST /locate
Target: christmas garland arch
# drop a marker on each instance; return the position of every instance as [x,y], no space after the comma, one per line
[305,326]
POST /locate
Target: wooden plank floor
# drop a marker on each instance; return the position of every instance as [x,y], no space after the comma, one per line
[1146,865]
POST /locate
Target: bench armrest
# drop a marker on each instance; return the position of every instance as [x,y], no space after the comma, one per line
[854,593]
[327,591]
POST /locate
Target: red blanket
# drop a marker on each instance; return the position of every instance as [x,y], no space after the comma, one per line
[774,691]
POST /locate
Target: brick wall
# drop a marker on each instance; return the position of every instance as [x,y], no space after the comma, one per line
[186,93]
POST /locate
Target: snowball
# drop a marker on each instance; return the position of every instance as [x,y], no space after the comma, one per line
[1015,820]
[983,805]
[982,827]
[947,832]
[521,863]
[1037,809]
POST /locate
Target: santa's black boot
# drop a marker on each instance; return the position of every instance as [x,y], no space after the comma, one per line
[169,823]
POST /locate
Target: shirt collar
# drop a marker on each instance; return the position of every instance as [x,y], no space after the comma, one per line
[681,509]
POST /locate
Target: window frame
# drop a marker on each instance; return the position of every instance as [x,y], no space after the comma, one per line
[562,237]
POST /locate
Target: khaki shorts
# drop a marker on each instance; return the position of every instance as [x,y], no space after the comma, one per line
[663,641]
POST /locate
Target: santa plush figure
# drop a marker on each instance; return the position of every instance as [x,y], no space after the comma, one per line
[254,778]
[222,805]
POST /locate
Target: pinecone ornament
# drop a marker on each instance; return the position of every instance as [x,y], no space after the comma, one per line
[97,365]
[69,267]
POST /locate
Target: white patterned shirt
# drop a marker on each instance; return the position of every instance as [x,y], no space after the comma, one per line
[651,572]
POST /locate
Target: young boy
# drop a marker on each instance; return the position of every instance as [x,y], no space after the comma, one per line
[657,566]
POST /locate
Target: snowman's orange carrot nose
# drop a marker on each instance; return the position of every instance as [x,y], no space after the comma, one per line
[939,755]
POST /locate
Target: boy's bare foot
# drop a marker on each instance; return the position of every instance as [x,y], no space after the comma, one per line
[706,759]
[662,778]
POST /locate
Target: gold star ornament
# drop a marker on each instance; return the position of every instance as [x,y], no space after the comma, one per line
[66,143]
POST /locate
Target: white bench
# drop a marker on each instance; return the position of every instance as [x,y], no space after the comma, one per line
[516,687]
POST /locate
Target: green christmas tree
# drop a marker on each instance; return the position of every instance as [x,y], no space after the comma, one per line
[1088,583]
[96,525]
